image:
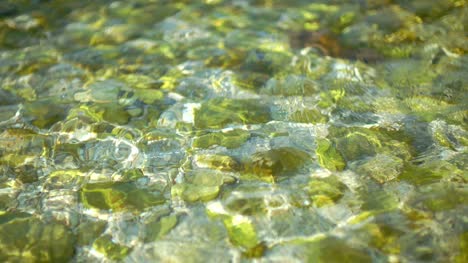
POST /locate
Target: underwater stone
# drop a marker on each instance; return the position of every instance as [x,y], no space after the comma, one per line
[276,162]
[45,113]
[357,145]
[463,254]
[217,162]
[308,116]
[332,249]
[241,232]
[381,167]
[202,185]
[158,228]
[149,96]
[7,98]
[64,179]
[22,146]
[119,196]
[193,193]
[216,113]
[326,190]
[26,174]
[27,239]
[6,201]
[291,85]
[381,236]
[431,172]
[88,231]
[266,62]
[450,136]
[138,81]
[248,202]
[187,251]
[132,175]
[113,113]
[376,198]
[230,139]
[328,155]
[105,91]
[440,197]
[111,250]
[250,80]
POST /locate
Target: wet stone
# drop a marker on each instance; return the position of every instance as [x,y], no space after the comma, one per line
[430,172]
[89,231]
[217,162]
[26,238]
[328,156]
[109,249]
[266,62]
[45,113]
[276,162]
[357,145]
[247,202]
[201,185]
[241,232]
[158,228]
[308,116]
[376,198]
[439,197]
[6,201]
[64,179]
[217,113]
[229,139]
[291,85]
[7,98]
[250,80]
[119,196]
[325,191]
[382,167]
[186,251]
[105,91]
[332,249]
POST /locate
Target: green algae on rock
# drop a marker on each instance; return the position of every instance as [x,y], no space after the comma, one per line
[193,193]
[119,196]
[324,191]
[247,201]
[291,85]
[375,198]
[308,116]
[217,162]
[328,156]
[64,179]
[216,113]
[381,167]
[26,238]
[438,197]
[202,185]
[110,249]
[276,162]
[229,139]
[333,249]
[89,231]
[357,145]
[159,227]
[241,232]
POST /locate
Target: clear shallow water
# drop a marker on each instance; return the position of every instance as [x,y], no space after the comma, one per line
[219,131]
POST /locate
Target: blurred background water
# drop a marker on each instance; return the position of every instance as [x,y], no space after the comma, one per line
[233,131]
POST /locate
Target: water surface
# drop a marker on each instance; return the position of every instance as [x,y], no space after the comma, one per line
[233,131]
